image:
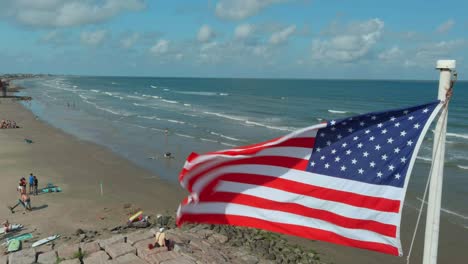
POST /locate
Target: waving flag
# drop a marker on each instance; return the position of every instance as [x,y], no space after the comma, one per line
[343,181]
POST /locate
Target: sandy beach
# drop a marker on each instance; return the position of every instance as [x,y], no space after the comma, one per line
[78,167]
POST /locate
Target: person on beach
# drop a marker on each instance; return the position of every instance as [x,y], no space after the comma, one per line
[31,183]
[36,183]
[161,240]
[6,226]
[25,201]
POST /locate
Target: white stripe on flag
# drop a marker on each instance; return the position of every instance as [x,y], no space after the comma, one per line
[311,202]
[334,183]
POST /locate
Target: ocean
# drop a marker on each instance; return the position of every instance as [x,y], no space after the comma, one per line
[143,118]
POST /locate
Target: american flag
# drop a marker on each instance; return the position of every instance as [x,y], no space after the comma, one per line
[343,181]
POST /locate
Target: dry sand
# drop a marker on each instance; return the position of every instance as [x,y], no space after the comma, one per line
[78,167]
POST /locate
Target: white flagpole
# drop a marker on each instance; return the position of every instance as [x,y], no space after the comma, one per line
[431,240]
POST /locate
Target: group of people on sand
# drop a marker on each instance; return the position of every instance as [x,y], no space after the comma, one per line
[25,199]
[8,124]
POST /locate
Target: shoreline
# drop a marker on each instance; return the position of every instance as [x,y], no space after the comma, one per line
[165,196]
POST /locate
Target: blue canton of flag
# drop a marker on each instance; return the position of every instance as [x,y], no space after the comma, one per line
[374,148]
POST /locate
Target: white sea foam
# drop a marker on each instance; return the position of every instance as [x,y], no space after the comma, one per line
[336,111]
[95,91]
[157,129]
[209,140]
[135,97]
[227,144]
[169,101]
[148,117]
[268,126]
[424,158]
[448,211]
[166,89]
[226,116]
[195,93]
[84,97]
[187,104]
[186,136]
[74,86]
[108,93]
[155,97]
[465,136]
[154,86]
[107,109]
[175,121]
[223,94]
[226,137]
[462,167]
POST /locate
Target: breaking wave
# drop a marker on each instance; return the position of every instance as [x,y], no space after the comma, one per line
[462,167]
[337,111]
[226,137]
[457,135]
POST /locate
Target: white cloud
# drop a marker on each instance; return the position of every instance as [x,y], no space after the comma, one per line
[446,26]
[66,13]
[243,31]
[283,35]
[93,38]
[161,47]
[390,54]
[427,54]
[205,33]
[240,9]
[130,40]
[354,43]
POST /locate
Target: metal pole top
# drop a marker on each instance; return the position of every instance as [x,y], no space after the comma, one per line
[446,64]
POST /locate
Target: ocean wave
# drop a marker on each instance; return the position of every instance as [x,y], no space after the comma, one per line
[183,135]
[227,144]
[83,97]
[337,111]
[196,93]
[209,140]
[175,121]
[424,158]
[226,116]
[149,117]
[158,129]
[95,91]
[108,93]
[223,94]
[226,137]
[462,167]
[448,211]
[465,136]
[135,97]
[51,97]
[170,101]
[268,126]
[166,90]
[154,86]
[107,109]
[187,105]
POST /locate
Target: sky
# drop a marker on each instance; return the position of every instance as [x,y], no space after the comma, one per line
[309,39]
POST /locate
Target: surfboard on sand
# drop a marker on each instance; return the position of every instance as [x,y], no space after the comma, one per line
[14,245]
[135,216]
[18,237]
[13,227]
[45,240]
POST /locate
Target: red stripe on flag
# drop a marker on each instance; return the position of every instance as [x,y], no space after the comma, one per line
[295,230]
[285,162]
[300,210]
[358,200]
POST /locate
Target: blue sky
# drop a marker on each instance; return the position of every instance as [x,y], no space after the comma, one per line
[234,38]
